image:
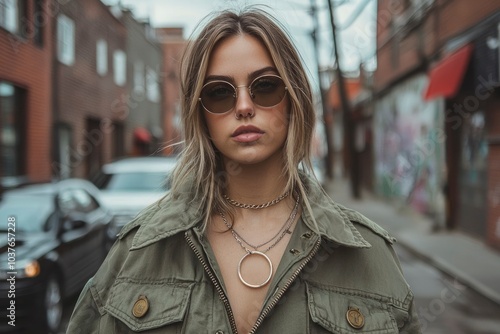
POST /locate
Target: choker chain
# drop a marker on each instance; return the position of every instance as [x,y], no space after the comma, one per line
[256,206]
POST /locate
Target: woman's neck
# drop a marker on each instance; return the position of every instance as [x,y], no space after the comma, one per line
[254,184]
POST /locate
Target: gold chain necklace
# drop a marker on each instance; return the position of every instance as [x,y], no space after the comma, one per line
[284,230]
[256,206]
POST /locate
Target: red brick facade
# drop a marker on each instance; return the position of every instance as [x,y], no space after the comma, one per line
[397,57]
[87,102]
[173,45]
[27,65]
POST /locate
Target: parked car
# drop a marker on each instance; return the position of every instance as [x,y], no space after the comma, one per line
[131,184]
[52,240]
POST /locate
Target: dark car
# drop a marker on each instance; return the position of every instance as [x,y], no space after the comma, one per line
[52,240]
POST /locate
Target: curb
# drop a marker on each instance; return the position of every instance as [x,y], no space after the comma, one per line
[452,271]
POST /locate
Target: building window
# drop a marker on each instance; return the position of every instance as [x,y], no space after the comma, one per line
[65,40]
[120,67]
[12,130]
[9,15]
[39,20]
[153,87]
[102,57]
[139,79]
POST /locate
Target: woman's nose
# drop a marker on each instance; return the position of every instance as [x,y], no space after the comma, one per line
[244,103]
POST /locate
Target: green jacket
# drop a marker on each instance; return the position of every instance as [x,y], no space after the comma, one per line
[161,277]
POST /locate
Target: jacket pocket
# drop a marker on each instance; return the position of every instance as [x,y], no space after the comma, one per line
[339,311]
[148,306]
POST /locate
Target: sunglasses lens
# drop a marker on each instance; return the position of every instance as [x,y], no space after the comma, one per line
[268,91]
[218,97]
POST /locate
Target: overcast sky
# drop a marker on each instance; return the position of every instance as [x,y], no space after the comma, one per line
[357,41]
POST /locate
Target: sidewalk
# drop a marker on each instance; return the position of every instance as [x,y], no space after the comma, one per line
[468,260]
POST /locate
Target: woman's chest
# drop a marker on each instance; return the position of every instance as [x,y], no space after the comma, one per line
[246,274]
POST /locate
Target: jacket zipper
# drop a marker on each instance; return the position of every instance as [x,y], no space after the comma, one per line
[221,293]
[285,287]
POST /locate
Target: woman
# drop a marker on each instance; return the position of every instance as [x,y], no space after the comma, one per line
[245,242]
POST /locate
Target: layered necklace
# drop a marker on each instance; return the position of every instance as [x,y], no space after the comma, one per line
[273,241]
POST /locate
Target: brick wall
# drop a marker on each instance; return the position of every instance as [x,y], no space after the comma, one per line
[173,46]
[82,92]
[401,53]
[28,66]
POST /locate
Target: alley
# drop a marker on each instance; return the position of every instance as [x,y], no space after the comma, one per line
[443,304]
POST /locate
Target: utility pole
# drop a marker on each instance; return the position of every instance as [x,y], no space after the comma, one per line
[349,135]
[327,117]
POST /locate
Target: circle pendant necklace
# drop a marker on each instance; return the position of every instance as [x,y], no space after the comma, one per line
[284,230]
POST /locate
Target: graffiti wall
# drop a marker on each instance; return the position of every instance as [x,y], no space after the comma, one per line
[409,146]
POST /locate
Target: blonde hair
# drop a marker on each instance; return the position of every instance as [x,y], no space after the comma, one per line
[199,162]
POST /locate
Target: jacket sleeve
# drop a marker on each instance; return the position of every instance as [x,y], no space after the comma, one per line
[86,317]
[412,325]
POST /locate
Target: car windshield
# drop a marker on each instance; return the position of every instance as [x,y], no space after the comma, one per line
[32,213]
[134,181]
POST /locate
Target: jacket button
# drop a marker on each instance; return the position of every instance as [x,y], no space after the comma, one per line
[219,332]
[294,251]
[141,307]
[355,319]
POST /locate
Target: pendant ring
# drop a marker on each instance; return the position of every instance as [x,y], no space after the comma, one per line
[255,286]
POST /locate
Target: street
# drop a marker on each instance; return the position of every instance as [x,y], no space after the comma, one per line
[444,305]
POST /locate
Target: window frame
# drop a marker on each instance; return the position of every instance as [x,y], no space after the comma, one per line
[120,67]
[10,16]
[65,40]
[102,57]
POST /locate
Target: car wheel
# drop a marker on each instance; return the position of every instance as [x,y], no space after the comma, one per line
[53,304]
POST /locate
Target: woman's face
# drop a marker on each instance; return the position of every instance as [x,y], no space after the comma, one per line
[247,133]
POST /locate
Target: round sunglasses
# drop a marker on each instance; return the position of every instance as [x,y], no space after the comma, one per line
[219,96]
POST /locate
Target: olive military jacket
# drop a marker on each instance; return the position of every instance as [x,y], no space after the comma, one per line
[161,276]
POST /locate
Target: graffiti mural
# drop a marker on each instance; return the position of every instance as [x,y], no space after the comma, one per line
[409,146]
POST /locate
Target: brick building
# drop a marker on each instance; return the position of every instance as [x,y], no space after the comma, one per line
[143,126]
[25,89]
[91,87]
[173,45]
[436,121]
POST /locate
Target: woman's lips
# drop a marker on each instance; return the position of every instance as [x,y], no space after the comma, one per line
[247,137]
[247,133]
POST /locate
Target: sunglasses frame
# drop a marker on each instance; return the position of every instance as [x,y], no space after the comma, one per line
[235,95]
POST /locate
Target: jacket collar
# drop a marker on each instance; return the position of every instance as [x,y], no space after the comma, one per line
[172,215]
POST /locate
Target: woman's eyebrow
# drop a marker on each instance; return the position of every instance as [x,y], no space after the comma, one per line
[251,76]
[266,69]
[218,77]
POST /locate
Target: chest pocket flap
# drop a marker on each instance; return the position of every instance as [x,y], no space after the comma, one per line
[144,306]
[344,312]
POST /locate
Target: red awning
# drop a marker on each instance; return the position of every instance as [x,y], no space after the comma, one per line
[142,134]
[446,77]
